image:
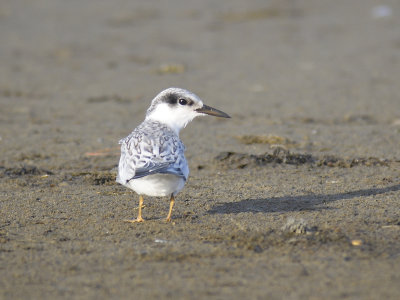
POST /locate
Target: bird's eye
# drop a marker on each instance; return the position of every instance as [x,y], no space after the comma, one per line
[182,101]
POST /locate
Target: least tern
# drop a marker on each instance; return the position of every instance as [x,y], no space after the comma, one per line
[152,159]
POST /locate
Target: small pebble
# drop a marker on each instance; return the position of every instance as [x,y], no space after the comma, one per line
[160,241]
[356,242]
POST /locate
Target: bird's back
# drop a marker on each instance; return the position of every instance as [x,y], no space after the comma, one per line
[150,149]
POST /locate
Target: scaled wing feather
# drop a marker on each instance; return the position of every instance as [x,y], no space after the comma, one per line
[151,148]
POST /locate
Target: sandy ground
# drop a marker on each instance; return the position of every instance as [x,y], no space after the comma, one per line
[295,197]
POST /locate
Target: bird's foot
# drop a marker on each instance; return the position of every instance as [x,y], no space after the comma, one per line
[138,220]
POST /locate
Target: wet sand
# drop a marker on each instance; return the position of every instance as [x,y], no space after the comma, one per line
[295,197]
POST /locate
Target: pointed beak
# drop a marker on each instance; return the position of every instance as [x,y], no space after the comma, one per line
[212,111]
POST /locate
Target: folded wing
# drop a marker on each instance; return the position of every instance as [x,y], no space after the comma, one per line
[143,155]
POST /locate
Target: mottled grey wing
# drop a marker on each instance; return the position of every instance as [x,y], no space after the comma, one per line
[142,156]
[163,168]
[152,168]
[173,169]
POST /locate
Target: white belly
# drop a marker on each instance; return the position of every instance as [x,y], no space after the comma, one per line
[157,185]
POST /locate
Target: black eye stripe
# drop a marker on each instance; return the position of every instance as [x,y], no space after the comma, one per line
[171,99]
[174,99]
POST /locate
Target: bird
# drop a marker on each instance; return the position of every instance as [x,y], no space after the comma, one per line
[152,161]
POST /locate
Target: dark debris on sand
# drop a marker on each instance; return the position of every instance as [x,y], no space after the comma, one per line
[233,160]
[24,170]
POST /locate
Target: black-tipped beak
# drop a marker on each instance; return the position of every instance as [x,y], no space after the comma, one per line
[212,111]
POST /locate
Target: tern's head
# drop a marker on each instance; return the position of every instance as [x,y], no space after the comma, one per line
[177,107]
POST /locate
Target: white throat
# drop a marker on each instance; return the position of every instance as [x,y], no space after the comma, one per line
[175,118]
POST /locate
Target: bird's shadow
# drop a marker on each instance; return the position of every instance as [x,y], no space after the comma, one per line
[295,203]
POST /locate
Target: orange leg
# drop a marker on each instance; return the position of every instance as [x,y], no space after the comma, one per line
[171,205]
[139,217]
